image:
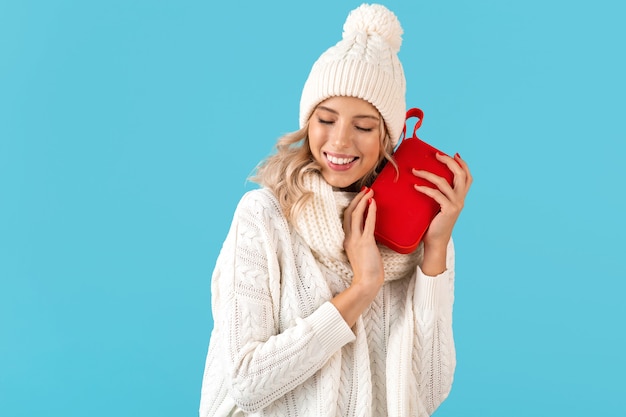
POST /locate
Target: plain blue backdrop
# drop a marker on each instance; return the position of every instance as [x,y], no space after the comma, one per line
[127,132]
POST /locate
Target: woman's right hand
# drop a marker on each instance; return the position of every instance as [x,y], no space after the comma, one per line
[359,221]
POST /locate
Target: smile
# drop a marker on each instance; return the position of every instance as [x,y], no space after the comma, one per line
[339,161]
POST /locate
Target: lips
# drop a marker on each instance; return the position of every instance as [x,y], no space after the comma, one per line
[340,162]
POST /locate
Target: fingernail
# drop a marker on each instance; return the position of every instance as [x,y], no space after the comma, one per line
[457,155]
[369,201]
[364,188]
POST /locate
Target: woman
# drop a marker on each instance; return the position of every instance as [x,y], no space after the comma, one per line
[312,317]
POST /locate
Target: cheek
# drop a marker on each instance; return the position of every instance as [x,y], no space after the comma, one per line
[373,147]
[315,138]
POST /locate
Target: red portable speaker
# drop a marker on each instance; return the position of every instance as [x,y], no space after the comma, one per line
[403,213]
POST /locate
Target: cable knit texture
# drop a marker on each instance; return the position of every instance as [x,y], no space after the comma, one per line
[320,224]
[280,348]
[363,64]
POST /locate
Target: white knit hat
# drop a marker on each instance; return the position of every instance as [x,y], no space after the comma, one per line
[364,64]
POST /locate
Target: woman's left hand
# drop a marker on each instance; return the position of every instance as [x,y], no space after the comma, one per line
[450,198]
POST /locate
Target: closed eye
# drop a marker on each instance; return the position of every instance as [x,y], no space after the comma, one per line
[325,122]
[364,129]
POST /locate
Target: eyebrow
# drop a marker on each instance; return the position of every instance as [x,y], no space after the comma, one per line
[360,116]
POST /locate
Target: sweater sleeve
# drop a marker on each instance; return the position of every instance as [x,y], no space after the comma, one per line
[261,362]
[434,356]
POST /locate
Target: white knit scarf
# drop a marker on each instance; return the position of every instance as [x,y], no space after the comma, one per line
[320,225]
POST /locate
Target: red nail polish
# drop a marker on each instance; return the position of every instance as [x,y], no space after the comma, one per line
[364,188]
[457,155]
[369,201]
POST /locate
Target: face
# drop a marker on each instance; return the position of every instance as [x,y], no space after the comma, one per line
[345,139]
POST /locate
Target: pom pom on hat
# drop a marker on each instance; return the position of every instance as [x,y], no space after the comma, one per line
[364,64]
[374,19]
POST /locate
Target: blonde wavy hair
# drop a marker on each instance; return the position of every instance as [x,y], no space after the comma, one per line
[283,172]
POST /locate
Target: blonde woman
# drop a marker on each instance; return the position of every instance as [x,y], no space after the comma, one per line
[311,316]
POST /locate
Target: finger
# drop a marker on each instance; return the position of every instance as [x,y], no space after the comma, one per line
[433,193]
[370,219]
[461,172]
[468,175]
[351,213]
[439,182]
[462,178]
[359,211]
[446,206]
[451,162]
[435,179]
[347,215]
[453,165]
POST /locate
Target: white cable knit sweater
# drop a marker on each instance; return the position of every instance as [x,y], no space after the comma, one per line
[280,348]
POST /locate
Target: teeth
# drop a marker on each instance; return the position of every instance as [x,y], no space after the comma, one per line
[339,161]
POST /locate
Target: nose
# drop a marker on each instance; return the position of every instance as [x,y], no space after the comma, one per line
[342,136]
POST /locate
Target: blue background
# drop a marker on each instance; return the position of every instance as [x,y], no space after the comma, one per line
[127,132]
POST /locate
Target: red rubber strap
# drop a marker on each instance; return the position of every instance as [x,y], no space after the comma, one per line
[414,112]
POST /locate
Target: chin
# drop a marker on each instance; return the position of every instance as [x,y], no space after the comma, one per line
[342,184]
